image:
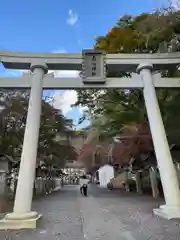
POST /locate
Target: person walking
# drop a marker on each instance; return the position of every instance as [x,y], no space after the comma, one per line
[83,185]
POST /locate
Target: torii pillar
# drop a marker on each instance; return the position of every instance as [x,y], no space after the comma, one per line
[169,180]
[22,216]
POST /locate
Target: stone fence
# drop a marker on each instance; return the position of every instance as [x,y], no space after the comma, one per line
[46,186]
[42,185]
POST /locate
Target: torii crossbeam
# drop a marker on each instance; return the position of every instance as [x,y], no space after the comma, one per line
[93,66]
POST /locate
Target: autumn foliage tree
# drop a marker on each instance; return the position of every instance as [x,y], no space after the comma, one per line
[14,105]
[110,110]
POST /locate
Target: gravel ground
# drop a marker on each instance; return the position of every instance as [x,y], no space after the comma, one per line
[103,215]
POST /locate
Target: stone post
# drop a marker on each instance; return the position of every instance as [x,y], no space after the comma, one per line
[126,177]
[154,182]
[138,182]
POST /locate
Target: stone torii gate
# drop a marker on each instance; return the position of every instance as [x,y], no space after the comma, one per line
[93,65]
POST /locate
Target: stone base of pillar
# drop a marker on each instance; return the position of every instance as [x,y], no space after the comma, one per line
[168,212]
[20,221]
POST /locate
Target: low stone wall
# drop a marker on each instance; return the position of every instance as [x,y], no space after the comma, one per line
[42,186]
[2,183]
[46,186]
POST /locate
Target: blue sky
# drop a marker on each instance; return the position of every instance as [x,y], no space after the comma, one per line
[61,26]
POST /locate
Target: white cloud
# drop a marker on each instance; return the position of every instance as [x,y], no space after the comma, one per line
[175,4]
[72,17]
[64,99]
[82,109]
[61,50]
[65,73]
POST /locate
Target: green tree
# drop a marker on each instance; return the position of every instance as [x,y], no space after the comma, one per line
[13,114]
[110,110]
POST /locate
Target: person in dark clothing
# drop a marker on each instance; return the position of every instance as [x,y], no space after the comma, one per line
[85,190]
[84,185]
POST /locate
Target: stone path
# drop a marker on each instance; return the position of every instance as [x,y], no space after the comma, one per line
[103,215]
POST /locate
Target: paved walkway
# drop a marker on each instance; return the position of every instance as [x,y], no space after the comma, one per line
[103,215]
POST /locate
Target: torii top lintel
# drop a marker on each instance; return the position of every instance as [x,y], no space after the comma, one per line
[73,61]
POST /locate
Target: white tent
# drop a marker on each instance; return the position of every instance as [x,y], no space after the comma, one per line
[106,173]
